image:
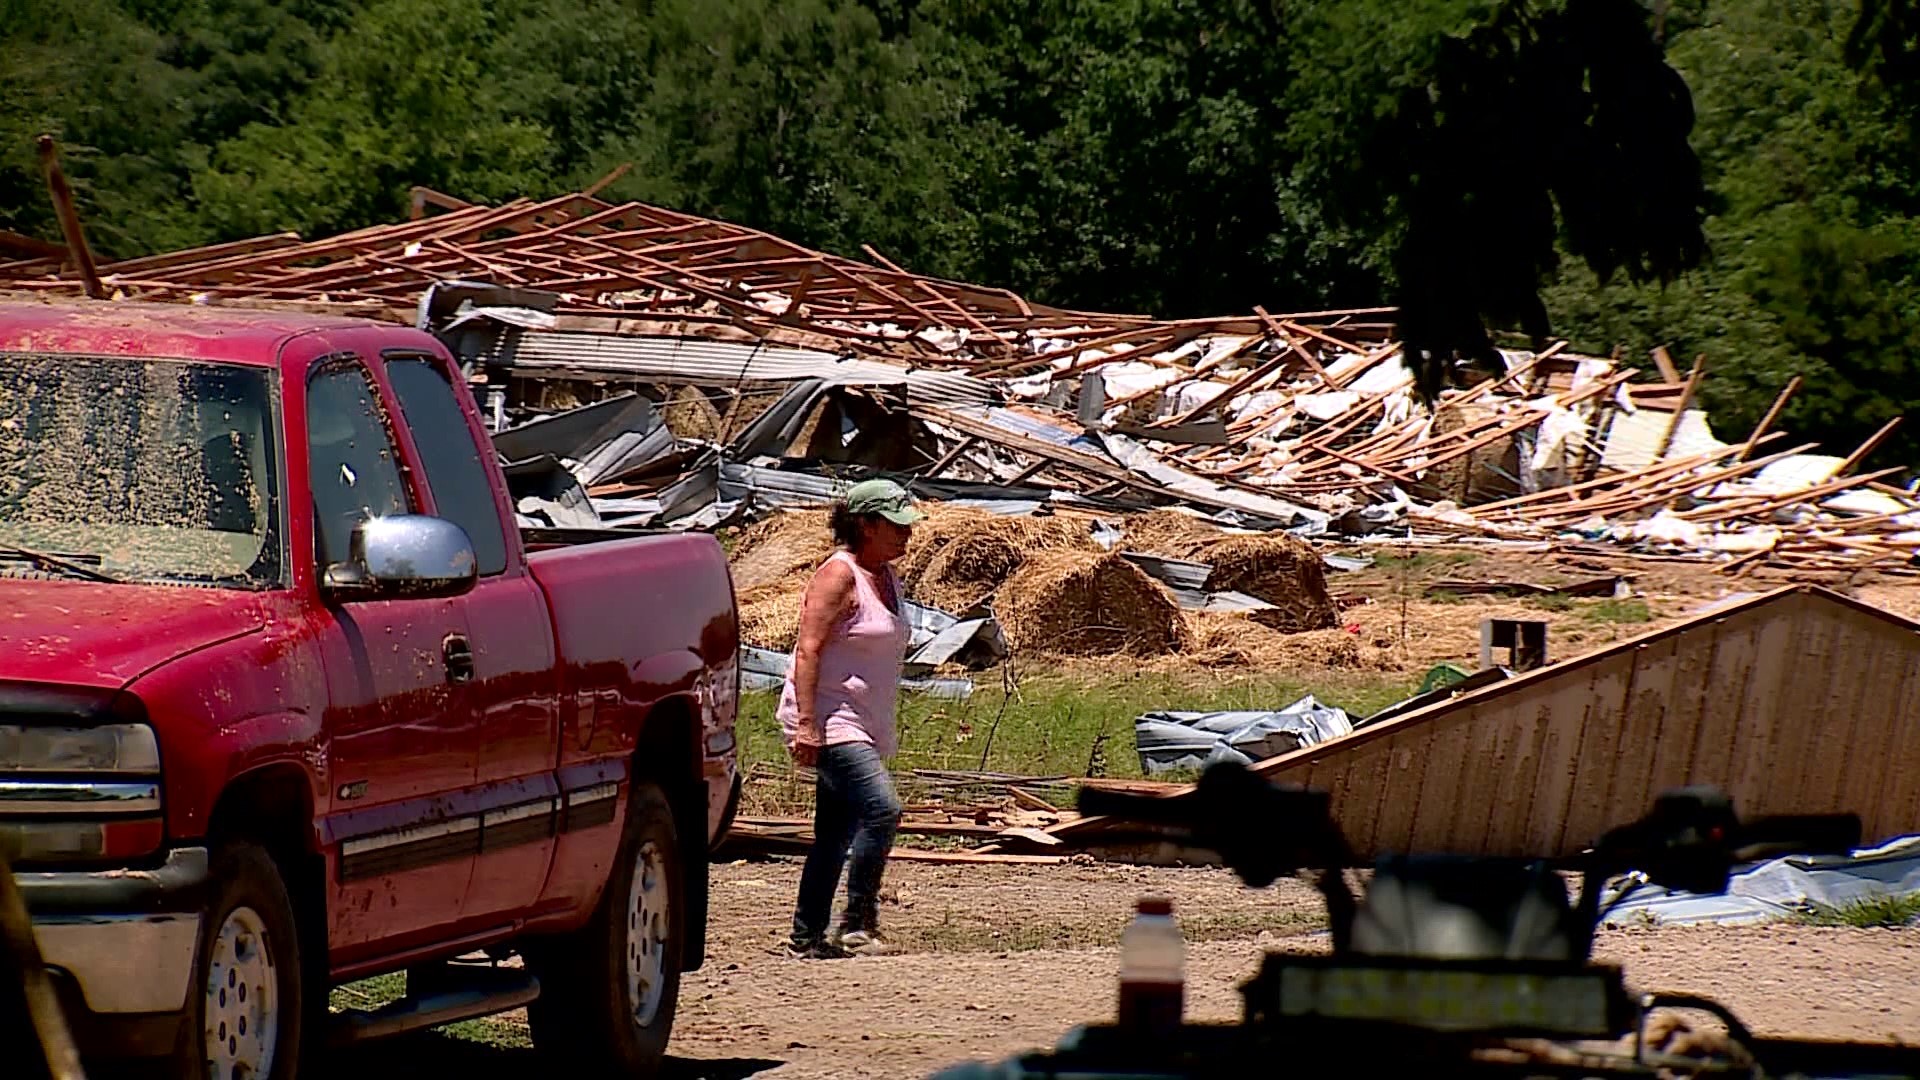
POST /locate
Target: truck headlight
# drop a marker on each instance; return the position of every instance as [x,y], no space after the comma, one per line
[79,793]
[108,748]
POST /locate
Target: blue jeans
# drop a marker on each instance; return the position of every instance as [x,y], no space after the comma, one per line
[855,810]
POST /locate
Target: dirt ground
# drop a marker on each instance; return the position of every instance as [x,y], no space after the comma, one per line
[996,960]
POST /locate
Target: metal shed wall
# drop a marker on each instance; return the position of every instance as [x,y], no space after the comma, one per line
[1799,701]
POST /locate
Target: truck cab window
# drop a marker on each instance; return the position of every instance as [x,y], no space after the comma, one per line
[350,459]
[458,479]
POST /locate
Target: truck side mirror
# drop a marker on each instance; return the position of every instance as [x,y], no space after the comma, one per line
[410,556]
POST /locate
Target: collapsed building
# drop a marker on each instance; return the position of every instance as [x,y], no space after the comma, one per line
[645,368]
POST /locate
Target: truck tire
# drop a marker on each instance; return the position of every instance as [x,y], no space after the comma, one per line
[245,1002]
[608,991]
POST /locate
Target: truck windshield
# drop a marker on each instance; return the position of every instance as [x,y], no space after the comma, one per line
[138,469]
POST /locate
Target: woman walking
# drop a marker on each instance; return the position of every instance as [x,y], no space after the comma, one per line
[837,712]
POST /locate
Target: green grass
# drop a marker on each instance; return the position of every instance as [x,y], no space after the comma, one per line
[1632,610]
[1052,722]
[369,994]
[1896,911]
[507,1032]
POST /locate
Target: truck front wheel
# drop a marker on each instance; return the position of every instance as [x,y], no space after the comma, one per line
[608,991]
[244,1004]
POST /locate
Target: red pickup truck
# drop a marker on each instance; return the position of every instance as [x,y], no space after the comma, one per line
[285,701]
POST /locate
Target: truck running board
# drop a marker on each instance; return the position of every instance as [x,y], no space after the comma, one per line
[482,992]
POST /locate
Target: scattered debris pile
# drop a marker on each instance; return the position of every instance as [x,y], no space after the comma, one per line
[777,374]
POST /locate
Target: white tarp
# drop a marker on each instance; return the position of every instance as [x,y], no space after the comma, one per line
[1168,741]
[1780,888]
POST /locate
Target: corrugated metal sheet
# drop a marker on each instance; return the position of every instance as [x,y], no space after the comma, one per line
[723,363]
[1798,701]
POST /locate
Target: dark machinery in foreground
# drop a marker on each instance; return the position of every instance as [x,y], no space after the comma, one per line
[33,1030]
[1454,966]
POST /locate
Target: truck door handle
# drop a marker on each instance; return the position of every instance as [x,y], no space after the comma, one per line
[458,652]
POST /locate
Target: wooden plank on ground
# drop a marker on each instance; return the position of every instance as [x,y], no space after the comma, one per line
[963,858]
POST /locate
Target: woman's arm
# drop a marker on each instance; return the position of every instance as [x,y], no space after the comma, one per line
[828,599]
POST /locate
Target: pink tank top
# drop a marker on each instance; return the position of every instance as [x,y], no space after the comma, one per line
[859,667]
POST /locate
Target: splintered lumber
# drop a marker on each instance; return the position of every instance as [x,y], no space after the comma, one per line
[1781,502]
[1664,361]
[1514,372]
[1278,330]
[1873,443]
[803,828]
[1031,801]
[965,858]
[69,216]
[1766,421]
[630,268]
[1239,386]
[1680,410]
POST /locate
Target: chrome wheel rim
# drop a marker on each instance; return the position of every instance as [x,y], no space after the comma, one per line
[647,902]
[240,1021]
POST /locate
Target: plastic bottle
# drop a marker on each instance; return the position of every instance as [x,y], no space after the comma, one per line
[1152,968]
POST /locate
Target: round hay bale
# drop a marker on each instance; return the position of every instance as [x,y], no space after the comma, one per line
[781,548]
[1283,570]
[1169,534]
[959,556]
[1086,604]
[770,614]
[967,571]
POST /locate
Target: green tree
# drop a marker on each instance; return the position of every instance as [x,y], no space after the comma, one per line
[403,97]
[1811,230]
[90,75]
[796,116]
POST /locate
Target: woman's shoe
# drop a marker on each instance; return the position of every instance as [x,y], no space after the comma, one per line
[815,950]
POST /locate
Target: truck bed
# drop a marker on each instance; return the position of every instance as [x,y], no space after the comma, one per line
[665,598]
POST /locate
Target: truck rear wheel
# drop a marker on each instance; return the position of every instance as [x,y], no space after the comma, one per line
[609,990]
[244,1005]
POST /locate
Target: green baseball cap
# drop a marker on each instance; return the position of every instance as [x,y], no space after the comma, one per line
[885,498]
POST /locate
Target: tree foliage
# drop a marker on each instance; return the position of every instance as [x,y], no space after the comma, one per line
[1734,178]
